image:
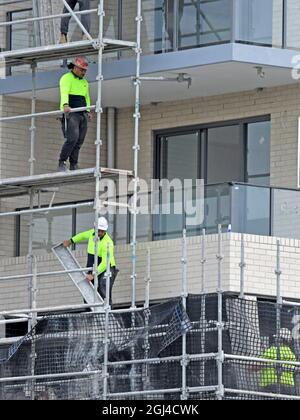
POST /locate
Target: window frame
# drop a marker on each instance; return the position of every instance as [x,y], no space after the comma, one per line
[9,31]
[203,139]
[73,224]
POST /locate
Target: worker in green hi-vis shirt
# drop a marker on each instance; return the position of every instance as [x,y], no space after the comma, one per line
[105,245]
[279,378]
[74,93]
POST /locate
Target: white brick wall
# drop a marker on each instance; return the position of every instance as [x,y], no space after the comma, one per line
[166,271]
[282,103]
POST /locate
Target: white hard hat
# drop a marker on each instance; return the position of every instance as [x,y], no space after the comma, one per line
[102,224]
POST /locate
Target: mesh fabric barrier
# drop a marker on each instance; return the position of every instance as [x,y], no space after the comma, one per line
[70,351]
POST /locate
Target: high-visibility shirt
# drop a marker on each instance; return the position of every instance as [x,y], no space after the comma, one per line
[269,376]
[89,236]
[74,91]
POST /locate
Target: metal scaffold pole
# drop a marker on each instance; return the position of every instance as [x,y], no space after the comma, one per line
[278,273]
[33,324]
[136,148]
[203,309]
[242,268]
[98,142]
[33,119]
[220,325]
[184,294]
[106,332]
[147,347]
[203,262]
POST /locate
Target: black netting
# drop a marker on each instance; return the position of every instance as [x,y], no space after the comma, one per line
[71,346]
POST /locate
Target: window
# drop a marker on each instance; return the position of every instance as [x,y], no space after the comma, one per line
[238,151]
[182,24]
[53,227]
[20,36]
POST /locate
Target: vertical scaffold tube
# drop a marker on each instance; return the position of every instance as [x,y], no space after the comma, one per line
[203,307]
[184,294]
[98,142]
[33,126]
[242,268]
[136,148]
[33,324]
[31,196]
[220,358]
[278,273]
[145,370]
[106,336]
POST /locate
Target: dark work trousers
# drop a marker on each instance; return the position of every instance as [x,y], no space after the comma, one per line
[85,19]
[102,284]
[74,138]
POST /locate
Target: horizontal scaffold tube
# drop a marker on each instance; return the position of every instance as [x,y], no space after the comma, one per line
[46,274]
[47,209]
[260,360]
[45,114]
[68,307]
[164,391]
[261,394]
[41,18]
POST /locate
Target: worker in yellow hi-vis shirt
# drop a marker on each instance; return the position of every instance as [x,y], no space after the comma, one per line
[104,243]
[279,378]
[74,93]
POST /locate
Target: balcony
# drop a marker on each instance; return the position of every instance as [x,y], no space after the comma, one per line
[218,43]
[240,208]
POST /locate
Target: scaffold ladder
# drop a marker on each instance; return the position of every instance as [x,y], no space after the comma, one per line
[69,262]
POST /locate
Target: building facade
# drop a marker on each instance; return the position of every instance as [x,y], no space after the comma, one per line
[235,127]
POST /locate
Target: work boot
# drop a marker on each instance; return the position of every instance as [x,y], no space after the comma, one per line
[63,39]
[84,37]
[74,167]
[62,167]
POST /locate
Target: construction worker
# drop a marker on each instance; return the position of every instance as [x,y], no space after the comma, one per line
[104,242]
[85,19]
[74,93]
[279,378]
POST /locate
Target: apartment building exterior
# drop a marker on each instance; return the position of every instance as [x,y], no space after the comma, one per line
[235,127]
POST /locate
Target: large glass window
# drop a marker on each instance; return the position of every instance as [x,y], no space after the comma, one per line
[238,152]
[22,35]
[204,22]
[189,23]
[258,153]
[224,154]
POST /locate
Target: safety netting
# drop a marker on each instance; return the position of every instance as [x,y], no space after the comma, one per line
[140,355]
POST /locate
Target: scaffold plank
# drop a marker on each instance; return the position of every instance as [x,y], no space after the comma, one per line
[61,51]
[12,187]
[69,262]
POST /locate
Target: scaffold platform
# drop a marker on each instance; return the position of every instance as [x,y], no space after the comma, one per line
[12,187]
[61,51]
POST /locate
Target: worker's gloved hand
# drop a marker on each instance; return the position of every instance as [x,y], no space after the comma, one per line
[67,243]
[89,277]
[67,109]
[90,116]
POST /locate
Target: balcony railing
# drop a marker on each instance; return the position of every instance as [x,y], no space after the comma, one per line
[238,207]
[172,25]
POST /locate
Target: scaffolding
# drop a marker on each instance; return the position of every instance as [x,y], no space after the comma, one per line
[128,334]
